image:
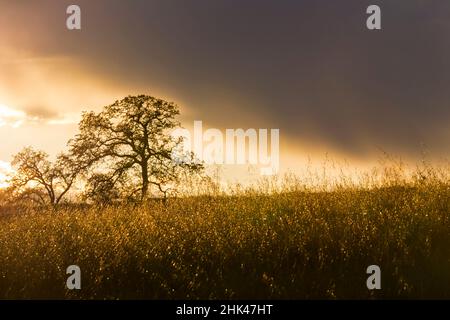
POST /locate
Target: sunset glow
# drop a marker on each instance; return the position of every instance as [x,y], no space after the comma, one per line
[5,169]
[47,81]
[9,116]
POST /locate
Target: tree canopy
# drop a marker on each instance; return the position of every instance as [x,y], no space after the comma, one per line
[38,179]
[127,148]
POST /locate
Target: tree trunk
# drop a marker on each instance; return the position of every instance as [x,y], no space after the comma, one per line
[144,180]
[51,195]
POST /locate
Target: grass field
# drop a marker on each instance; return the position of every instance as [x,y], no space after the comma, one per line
[289,244]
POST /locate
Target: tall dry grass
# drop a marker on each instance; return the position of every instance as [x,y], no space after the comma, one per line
[276,240]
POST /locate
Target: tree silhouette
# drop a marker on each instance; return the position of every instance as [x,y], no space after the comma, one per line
[128,143]
[38,179]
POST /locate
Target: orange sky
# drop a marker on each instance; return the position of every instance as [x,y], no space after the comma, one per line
[324,92]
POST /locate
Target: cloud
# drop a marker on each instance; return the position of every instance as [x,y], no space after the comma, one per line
[16,118]
[41,113]
[5,166]
[69,118]
[11,117]
[5,170]
[45,115]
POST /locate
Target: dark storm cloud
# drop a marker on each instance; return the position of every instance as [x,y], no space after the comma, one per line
[310,68]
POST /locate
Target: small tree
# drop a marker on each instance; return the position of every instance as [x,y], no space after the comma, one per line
[38,179]
[129,144]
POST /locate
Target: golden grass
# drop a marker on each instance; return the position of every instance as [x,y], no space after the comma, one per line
[290,244]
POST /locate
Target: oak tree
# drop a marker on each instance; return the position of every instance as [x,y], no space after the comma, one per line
[128,146]
[38,179]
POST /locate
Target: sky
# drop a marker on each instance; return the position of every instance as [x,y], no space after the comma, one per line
[309,68]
